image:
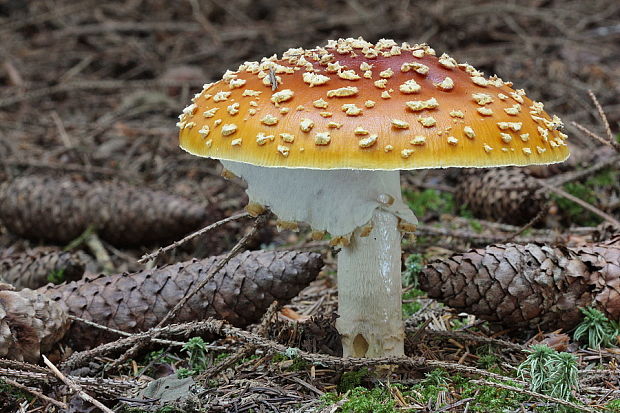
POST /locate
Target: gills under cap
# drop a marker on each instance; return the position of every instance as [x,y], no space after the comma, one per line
[357,105]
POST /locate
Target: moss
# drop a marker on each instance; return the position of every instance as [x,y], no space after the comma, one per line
[56,276]
[487,361]
[484,398]
[586,191]
[299,364]
[614,405]
[362,400]
[429,200]
[221,357]
[475,225]
[490,399]
[410,304]
[352,379]
[11,397]
[413,265]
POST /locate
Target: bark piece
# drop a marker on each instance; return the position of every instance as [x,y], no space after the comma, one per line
[60,209]
[528,286]
[506,195]
[30,323]
[240,293]
[33,268]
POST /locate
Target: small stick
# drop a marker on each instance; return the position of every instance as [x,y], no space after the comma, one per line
[571,176]
[193,235]
[123,333]
[35,393]
[582,203]
[593,135]
[601,114]
[541,214]
[75,387]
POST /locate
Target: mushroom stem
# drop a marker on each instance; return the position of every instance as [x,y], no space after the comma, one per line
[370,291]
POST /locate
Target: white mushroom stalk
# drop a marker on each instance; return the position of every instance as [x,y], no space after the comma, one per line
[363,209]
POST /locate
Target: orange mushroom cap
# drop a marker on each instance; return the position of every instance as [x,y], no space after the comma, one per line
[357,105]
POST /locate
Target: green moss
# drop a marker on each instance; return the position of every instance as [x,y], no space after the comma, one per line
[410,304]
[614,405]
[475,225]
[485,398]
[159,356]
[487,361]
[56,276]
[184,372]
[413,265]
[291,354]
[362,400]
[352,379]
[429,200]
[489,399]
[12,396]
[299,364]
[221,357]
[586,191]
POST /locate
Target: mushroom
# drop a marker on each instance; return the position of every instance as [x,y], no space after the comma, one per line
[320,136]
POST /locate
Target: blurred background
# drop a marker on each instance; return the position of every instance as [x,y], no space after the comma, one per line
[101,82]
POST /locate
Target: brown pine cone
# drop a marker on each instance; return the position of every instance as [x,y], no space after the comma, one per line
[35,268]
[507,195]
[30,323]
[528,286]
[60,209]
[240,293]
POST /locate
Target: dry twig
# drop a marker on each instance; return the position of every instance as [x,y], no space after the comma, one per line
[191,236]
[76,387]
[35,393]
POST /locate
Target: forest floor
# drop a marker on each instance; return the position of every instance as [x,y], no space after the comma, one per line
[107,81]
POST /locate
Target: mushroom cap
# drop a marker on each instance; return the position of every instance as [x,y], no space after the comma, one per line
[357,105]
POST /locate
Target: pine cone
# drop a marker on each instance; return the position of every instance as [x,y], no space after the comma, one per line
[33,268]
[30,323]
[240,293]
[528,286]
[505,195]
[59,210]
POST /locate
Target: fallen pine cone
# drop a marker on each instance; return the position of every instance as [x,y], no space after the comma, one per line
[507,195]
[240,293]
[528,286]
[35,268]
[59,210]
[30,323]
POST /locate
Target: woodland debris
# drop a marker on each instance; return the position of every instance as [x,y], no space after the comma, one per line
[507,195]
[35,268]
[528,286]
[60,209]
[240,293]
[30,323]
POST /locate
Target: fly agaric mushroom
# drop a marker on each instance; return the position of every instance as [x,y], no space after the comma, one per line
[320,136]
